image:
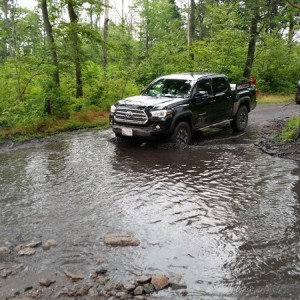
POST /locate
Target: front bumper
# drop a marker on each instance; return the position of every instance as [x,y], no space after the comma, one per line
[145,133]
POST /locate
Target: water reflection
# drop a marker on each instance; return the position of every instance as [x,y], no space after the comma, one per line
[223,216]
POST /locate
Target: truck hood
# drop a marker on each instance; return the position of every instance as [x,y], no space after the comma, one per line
[142,101]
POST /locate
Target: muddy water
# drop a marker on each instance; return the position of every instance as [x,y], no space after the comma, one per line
[223,215]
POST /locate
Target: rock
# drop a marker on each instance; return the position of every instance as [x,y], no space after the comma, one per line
[28,288]
[122,295]
[129,286]
[99,260]
[93,275]
[101,271]
[111,293]
[139,297]
[182,292]
[121,240]
[143,279]
[177,283]
[93,293]
[82,291]
[149,288]
[49,244]
[74,277]
[16,293]
[66,292]
[160,281]
[4,250]
[18,266]
[102,279]
[27,251]
[46,281]
[33,293]
[19,247]
[5,272]
[34,244]
[138,290]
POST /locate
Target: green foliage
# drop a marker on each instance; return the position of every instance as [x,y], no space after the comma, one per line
[221,55]
[291,129]
[277,65]
[152,43]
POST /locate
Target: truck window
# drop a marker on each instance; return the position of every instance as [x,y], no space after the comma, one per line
[219,85]
[204,85]
[176,88]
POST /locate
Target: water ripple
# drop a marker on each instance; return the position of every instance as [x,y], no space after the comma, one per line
[221,216]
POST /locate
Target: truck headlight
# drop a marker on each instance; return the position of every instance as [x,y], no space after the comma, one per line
[161,113]
[112,109]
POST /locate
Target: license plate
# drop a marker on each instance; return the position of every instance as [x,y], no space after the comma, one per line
[127,131]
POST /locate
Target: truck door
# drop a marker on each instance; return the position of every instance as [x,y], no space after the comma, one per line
[223,101]
[201,102]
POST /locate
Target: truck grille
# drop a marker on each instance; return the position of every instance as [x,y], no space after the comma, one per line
[131,116]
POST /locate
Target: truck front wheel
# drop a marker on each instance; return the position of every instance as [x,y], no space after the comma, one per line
[181,134]
[240,120]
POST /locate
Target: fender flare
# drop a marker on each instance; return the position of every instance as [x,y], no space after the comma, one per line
[186,116]
[243,101]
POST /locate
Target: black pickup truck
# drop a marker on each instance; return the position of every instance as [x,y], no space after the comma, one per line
[174,106]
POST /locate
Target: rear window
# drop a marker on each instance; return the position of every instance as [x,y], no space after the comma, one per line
[219,85]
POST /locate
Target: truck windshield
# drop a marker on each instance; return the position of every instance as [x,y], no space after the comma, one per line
[174,88]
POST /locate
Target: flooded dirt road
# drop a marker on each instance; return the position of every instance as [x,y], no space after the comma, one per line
[220,213]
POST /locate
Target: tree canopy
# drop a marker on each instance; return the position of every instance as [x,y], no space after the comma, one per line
[66,55]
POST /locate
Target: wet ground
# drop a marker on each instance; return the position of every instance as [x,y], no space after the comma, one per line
[220,213]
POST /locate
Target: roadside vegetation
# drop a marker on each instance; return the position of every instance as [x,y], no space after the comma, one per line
[64,63]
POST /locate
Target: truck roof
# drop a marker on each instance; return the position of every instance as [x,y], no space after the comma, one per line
[189,76]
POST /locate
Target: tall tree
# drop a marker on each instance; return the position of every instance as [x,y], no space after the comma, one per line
[51,43]
[192,26]
[105,32]
[75,47]
[253,34]
[5,29]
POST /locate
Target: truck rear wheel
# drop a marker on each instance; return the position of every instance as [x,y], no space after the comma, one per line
[240,120]
[181,134]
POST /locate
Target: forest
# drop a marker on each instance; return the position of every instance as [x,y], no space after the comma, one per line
[64,62]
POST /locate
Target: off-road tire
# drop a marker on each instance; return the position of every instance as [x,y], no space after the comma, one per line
[181,134]
[240,120]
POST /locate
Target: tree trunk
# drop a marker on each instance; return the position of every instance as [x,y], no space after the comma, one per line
[291,30]
[252,43]
[13,43]
[123,15]
[192,26]
[201,13]
[51,42]
[105,32]
[147,41]
[6,26]
[76,48]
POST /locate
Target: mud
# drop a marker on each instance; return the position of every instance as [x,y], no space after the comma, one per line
[269,141]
